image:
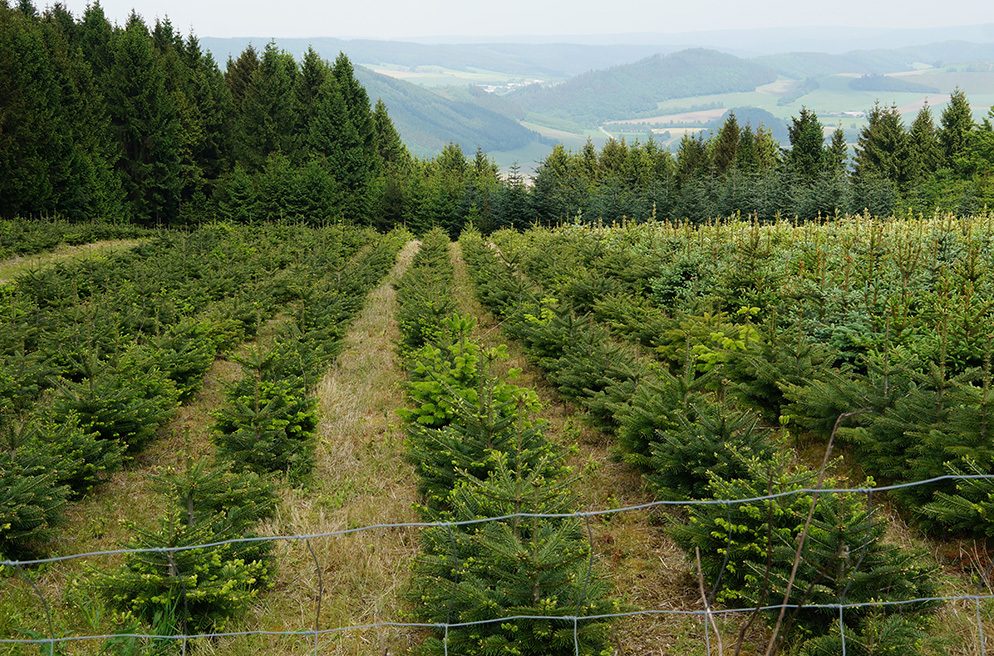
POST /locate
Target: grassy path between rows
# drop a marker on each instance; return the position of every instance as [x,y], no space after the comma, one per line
[360,479]
[646,568]
[14,266]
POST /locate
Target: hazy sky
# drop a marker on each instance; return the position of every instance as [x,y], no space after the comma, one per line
[410,18]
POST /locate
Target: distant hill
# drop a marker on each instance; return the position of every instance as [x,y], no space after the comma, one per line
[427,121]
[799,65]
[632,89]
[753,42]
[889,84]
[551,60]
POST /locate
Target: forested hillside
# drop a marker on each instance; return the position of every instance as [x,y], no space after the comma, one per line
[632,89]
[428,121]
[137,123]
[875,61]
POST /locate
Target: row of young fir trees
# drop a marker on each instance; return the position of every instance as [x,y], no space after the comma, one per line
[677,419]
[519,581]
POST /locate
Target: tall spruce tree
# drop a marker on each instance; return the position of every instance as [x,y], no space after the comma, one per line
[29,126]
[362,165]
[924,153]
[145,123]
[269,116]
[84,180]
[954,133]
[807,151]
[881,151]
[726,145]
[391,149]
[837,153]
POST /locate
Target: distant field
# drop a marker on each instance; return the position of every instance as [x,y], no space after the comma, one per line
[439,76]
[677,119]
[834,101]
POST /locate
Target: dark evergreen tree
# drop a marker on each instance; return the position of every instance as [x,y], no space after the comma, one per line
[391,149]
[362,167]
[691,158]
[746,156]
[268,108]
[145,123]
[558,192]
[512,204]
[924,150]
[95,37]
[29,126]
[238,76]
[807,152]
[313,73]
[837,153]
[726,145]
[882,149]
[956,125]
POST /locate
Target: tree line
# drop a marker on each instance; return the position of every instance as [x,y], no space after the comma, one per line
[139,124]
[920,168]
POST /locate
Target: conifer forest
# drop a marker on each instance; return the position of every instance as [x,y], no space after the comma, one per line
[271,383]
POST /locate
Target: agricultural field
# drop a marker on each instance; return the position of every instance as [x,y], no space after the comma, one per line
[637,439]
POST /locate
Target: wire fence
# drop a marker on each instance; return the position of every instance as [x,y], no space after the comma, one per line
[706,613]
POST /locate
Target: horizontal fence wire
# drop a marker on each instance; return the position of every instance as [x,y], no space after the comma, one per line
[315,633]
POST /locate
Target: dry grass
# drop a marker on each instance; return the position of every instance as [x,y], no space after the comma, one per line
[15,266]
[360,479]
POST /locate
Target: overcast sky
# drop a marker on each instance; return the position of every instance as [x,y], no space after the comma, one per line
[417,18]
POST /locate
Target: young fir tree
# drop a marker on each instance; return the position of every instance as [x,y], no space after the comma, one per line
[962,446]
[762,372]
[269,420]
[660,401]
[906,441]
[748,549]
[176,577]
[496,423]
[32,498]
[522,566]
[710,440]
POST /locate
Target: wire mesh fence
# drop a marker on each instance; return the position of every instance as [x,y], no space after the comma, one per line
[705,612]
